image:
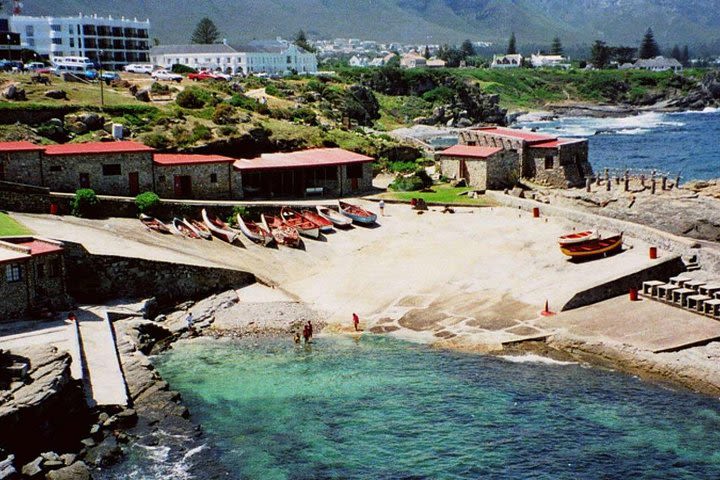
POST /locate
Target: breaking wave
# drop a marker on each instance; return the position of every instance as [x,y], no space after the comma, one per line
[589,126]
[532,358]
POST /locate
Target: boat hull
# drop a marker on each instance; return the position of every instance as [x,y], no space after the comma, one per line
[593,248]
[323,223]
[255,232]
[337,218]
[577,237]
[154,224]
[184,229]
[305,227]
[221,233]
[357,214]
[283,234]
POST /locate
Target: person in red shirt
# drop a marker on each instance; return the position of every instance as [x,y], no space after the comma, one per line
[356,321]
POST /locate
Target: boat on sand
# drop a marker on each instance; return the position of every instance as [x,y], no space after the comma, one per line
[322,222]
[577,237]
[219,228]
[154,224]
[283,234]
[337,218]
[304,226]
[593,248]
[184,229]
[357,214]
[200,228]
[255,232]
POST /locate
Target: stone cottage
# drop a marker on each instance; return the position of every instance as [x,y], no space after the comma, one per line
[193,176]
[298,174]
[20,162]
[110,168]
[544,159]
[482,167]
[32,276]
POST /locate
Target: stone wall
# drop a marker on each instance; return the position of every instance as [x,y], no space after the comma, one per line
[15,295]
[22,167]
[62,172]
[200,178]
[503,170]
[97,278]
[568,165]
[24,198]
[364,182]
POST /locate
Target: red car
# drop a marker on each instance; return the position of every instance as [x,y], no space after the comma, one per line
[205,76]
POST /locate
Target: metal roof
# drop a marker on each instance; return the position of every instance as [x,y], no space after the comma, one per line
[318,157]
[195,48]
[97,147]
[470,151]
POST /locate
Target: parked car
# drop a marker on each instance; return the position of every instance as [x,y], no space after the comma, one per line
[166,75]
[205,75]
[146,68]
[36,67]
[108,77]
[11,65]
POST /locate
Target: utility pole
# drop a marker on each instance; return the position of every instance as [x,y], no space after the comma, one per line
[100,79]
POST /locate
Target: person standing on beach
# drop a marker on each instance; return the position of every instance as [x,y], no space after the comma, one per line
[381,206]
[356,321]
[189,320]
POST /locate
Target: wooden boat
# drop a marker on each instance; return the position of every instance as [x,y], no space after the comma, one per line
[154,224]
[577,237]
[184,229]
[219,228]
[255,232]
[304,226]
[337,218]
[357,214]
[200,228]
[281,232]
[322,222]
[591,248]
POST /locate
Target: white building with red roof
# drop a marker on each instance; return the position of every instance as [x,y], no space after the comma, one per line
[481,167]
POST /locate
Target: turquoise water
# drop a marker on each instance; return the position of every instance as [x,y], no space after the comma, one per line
[383,409]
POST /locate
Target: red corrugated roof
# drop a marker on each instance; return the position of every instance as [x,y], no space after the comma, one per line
[318,157]
[519,134]
[97,147]
[168,159]
[471,151]
[556,143]
[38,247]
[19,147]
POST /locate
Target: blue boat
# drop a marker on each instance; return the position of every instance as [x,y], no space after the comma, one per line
[357,214]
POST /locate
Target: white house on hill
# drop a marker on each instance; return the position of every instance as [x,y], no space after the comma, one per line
[539,60]
[659,64]
[507,61]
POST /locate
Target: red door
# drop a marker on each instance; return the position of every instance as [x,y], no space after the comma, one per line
[134,181]
[353,184]
[84,180]
[183,186]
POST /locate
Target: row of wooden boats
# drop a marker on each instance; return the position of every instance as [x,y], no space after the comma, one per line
[283,229]
[589,243]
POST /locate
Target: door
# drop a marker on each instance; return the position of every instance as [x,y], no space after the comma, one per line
[464,173]
[134,182]
[354,184]
[84,180]
[183,186]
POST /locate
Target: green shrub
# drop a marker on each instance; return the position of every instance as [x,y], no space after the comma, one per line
[189,98]
[200,132]
[272,90]
[305,116]
[224,114]
[241,101]
[147,202]
[402,167]
[237,210]
[439,95]
[158,88]
[155,140]
[228,130]
[180,68]
[85,204]
[411,183]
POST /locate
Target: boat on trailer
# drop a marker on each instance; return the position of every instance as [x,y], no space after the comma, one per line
[357,214]
[154,224]
[184,229]
[281,232]
[200,228]
[337,218]
[304,226]
[593,248]
[255,232]
[323,223]
[219,228]
[577,237]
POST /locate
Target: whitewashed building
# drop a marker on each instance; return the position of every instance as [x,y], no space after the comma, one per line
[507,61]
[538,60]
[659,64]
[113,41]
[412,60]
[259,56]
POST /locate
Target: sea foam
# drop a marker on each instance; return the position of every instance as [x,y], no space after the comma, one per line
[532,358]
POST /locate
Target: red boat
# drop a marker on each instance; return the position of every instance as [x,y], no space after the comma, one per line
[577,237]
[592,248]
[283,234]
[154,224]
[304,226]
[322,222]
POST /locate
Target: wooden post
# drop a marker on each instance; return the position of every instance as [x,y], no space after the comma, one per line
[588,183]
[664,182]
[607,175]
[677,181]
[627,183]
[652,186]
[607,184]
[642,181]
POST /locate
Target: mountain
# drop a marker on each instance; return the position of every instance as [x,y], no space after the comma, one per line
[424,21]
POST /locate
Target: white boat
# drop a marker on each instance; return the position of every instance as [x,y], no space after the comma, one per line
[184,229]
[578,237]
[219,228]
[255,232]
[337,218]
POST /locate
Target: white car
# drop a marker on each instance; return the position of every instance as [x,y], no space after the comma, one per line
[166,75]
[224,76]
[139,68]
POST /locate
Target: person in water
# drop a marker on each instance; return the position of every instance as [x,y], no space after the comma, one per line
[306,333]
[310,328]
[356,321]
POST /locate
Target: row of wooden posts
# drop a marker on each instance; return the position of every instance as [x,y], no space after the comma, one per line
[625,179]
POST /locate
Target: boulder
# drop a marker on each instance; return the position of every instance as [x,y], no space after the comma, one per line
[76,471]
[143,95]
[14,92]
[106,454]
[7,469]
[68,458]
[77,128]
[56,94]
[34,468]
[464,123]
[93,121]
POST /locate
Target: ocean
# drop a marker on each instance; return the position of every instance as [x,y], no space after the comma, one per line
[379,408]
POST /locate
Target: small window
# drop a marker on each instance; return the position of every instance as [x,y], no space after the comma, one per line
[289,59]
[29,30]
[40,270]
[13,273]
[56,28]
[72,42]
[213,178]
[471,144]
[31,42]
[549,162]
[56,168]
[161,179]
[57,41]
[111,169]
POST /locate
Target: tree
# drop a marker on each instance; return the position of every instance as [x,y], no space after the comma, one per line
[676,54]
[685,56]
[649,47]
[512,45]
[427,52]
[452,56]
[156,42]
[624,54]
[600,55]
[467,49]
[556,48]
[205,32]
[302,41]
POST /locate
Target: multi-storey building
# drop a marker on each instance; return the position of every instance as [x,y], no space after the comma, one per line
[114,42]
[259,56]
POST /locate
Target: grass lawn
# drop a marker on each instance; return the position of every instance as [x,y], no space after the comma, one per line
[9,227]
[443,194]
